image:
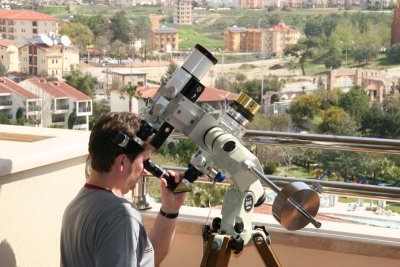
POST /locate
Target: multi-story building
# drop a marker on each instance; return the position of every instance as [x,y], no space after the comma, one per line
[9,55]
[164,39]
[16,102]
[250,4]
[232,38]
[18,25]
[270,42]
[183,12]
[44,56]
[277,38]
[240,39]
[251,40]
[60,103]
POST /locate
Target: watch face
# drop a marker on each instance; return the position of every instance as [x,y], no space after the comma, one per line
[248,203]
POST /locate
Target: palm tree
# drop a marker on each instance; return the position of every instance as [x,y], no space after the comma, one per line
[129,90]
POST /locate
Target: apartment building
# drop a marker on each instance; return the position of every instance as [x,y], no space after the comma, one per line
[45,56]
[250,4]
[164,39]
[277,38]
[251,40]
[241,39]
[17,25]
[16,102]
[59,102]
[9,55]
[183,12]
[270,42]
[232,38]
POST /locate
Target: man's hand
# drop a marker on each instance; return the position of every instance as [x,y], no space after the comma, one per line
[170,202]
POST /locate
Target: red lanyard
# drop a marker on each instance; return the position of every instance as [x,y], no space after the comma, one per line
[92,186]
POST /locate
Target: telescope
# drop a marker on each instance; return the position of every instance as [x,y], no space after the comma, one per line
[221,154]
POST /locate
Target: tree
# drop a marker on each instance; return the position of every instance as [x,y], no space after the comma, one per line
[79,34]
[71,120]
[333,61]
[101,45]
[240,77]
[129,90]
[273,83]
[313,27]
[342,164]
[222,82]
[301,50]
[393,54]
[337,122]
[120,27]
[97,23]
[168,74]
[365,52]
[117,50]
[3,69]
[383,120]
[84,83]
[355,102]
[304,106]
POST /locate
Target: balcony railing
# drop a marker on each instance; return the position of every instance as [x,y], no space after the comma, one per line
[344,143]
[62,107]
[5,103]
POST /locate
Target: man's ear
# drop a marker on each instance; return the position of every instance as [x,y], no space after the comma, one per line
[120,162]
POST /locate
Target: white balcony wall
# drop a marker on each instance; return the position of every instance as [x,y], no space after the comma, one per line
[39,178]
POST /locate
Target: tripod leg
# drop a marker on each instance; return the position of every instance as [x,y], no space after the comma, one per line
[214,257]
[265,251]
[224,253]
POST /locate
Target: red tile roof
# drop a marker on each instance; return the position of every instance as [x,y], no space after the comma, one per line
[69,90]
[4,90]
[25,15]
[5,43]
[8,84]
[210,94]
[53,91]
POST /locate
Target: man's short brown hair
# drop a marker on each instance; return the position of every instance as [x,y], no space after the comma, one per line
[102,149]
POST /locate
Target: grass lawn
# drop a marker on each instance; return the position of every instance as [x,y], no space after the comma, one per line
[189,37]
[294,171]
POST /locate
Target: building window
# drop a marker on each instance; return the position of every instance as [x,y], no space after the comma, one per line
[34,31]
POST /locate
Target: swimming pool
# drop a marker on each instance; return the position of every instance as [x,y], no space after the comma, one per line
[370,221]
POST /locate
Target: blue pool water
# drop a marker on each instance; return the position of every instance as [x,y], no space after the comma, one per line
[370,221]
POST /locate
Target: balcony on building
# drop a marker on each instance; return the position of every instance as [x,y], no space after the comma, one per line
[34,106]
[58,120]
[5,100]
[60,105]
[83,108]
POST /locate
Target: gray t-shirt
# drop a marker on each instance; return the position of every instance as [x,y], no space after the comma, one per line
[102,229]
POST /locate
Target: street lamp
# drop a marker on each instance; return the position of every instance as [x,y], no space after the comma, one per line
[222,61]
[262,86]
[345,49]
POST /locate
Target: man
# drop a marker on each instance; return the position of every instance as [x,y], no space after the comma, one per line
[100,227]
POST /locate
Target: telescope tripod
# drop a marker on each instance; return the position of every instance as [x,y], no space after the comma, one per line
[219,257]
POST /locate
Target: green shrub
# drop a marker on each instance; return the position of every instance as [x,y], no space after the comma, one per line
[373,209]
[394,207]
[271,167]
